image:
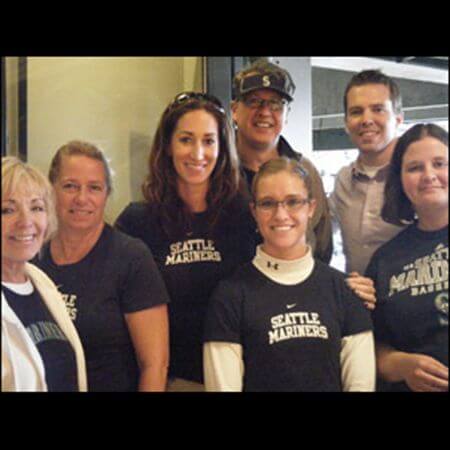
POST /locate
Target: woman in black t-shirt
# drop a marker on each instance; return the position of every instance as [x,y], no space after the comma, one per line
[110,283]
[411,271]
[195,220]
[285,321]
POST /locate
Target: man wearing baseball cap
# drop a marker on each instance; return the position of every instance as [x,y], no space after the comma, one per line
[261,97]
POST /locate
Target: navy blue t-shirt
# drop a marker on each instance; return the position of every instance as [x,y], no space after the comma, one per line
[118,276]
[191,265]
[56,351]
[411,279]
[290,335]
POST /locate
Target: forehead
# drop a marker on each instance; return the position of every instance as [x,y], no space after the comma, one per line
[280,184]
[197,119]
[81,166]
[21,184]
[368,94]
[24,192]
[426,148]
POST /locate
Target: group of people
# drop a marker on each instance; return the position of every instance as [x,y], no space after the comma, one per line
[219,280]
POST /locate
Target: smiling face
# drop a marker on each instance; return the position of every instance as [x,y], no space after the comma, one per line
[81,193]
[194,148]
[425,175]
[371,122]
[259,128]
[24,224]
[283,229]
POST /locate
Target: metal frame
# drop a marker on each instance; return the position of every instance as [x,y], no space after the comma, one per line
[23,109]
[220,71]
[4,133]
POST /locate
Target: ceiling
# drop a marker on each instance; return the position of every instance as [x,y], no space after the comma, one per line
[437,62]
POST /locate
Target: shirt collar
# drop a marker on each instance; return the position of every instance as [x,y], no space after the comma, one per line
[288,272]
[358,172]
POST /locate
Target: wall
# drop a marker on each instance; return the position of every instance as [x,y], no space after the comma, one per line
[110,101]
[298,130]
[12,122]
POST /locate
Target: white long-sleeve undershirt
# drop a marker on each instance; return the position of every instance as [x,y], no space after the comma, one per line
[223,361]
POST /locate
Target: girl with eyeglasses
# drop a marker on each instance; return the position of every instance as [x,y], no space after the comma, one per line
[286,321]
[195,220]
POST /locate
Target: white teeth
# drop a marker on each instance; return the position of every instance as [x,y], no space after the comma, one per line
[282,228]
[196,167]
[24,238]
[75,211]
[263,125]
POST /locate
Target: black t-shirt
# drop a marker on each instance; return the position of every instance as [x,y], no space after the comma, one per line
[411,279]
[191,265]
[56,351]
[290,335]
[118,276]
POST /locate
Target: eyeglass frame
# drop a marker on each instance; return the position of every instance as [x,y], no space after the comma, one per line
[282,102]
[275,204]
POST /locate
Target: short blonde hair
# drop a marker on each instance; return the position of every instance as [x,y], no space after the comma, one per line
[16,175]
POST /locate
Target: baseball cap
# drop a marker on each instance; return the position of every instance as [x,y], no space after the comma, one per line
[265,76]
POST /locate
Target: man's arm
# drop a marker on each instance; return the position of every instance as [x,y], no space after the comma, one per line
[320,225]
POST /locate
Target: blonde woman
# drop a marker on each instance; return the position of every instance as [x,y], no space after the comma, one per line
[41,350]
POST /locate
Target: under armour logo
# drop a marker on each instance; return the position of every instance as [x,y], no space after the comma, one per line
[272,266]
[266,81]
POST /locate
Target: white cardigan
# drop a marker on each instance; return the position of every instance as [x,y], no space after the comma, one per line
[22,365]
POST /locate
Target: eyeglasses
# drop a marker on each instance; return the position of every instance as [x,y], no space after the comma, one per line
[186,96]
[291,204]
[274,104]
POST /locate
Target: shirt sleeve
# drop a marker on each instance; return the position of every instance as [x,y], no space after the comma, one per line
[379,324]
[358,372]
[125,220]
[321,221]
[223,367]
[223,317]
[143,286]
[356,316]
[332,205]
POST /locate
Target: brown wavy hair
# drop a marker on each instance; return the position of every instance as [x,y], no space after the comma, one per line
[160,188]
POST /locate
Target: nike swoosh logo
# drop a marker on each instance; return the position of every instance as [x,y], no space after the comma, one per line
[291,306]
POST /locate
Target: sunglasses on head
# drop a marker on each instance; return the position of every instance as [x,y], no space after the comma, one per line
[186,96]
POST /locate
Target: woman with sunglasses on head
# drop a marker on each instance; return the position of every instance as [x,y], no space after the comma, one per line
[286,321]
[41,350]
[411,271]
[195,220]
[109,281]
